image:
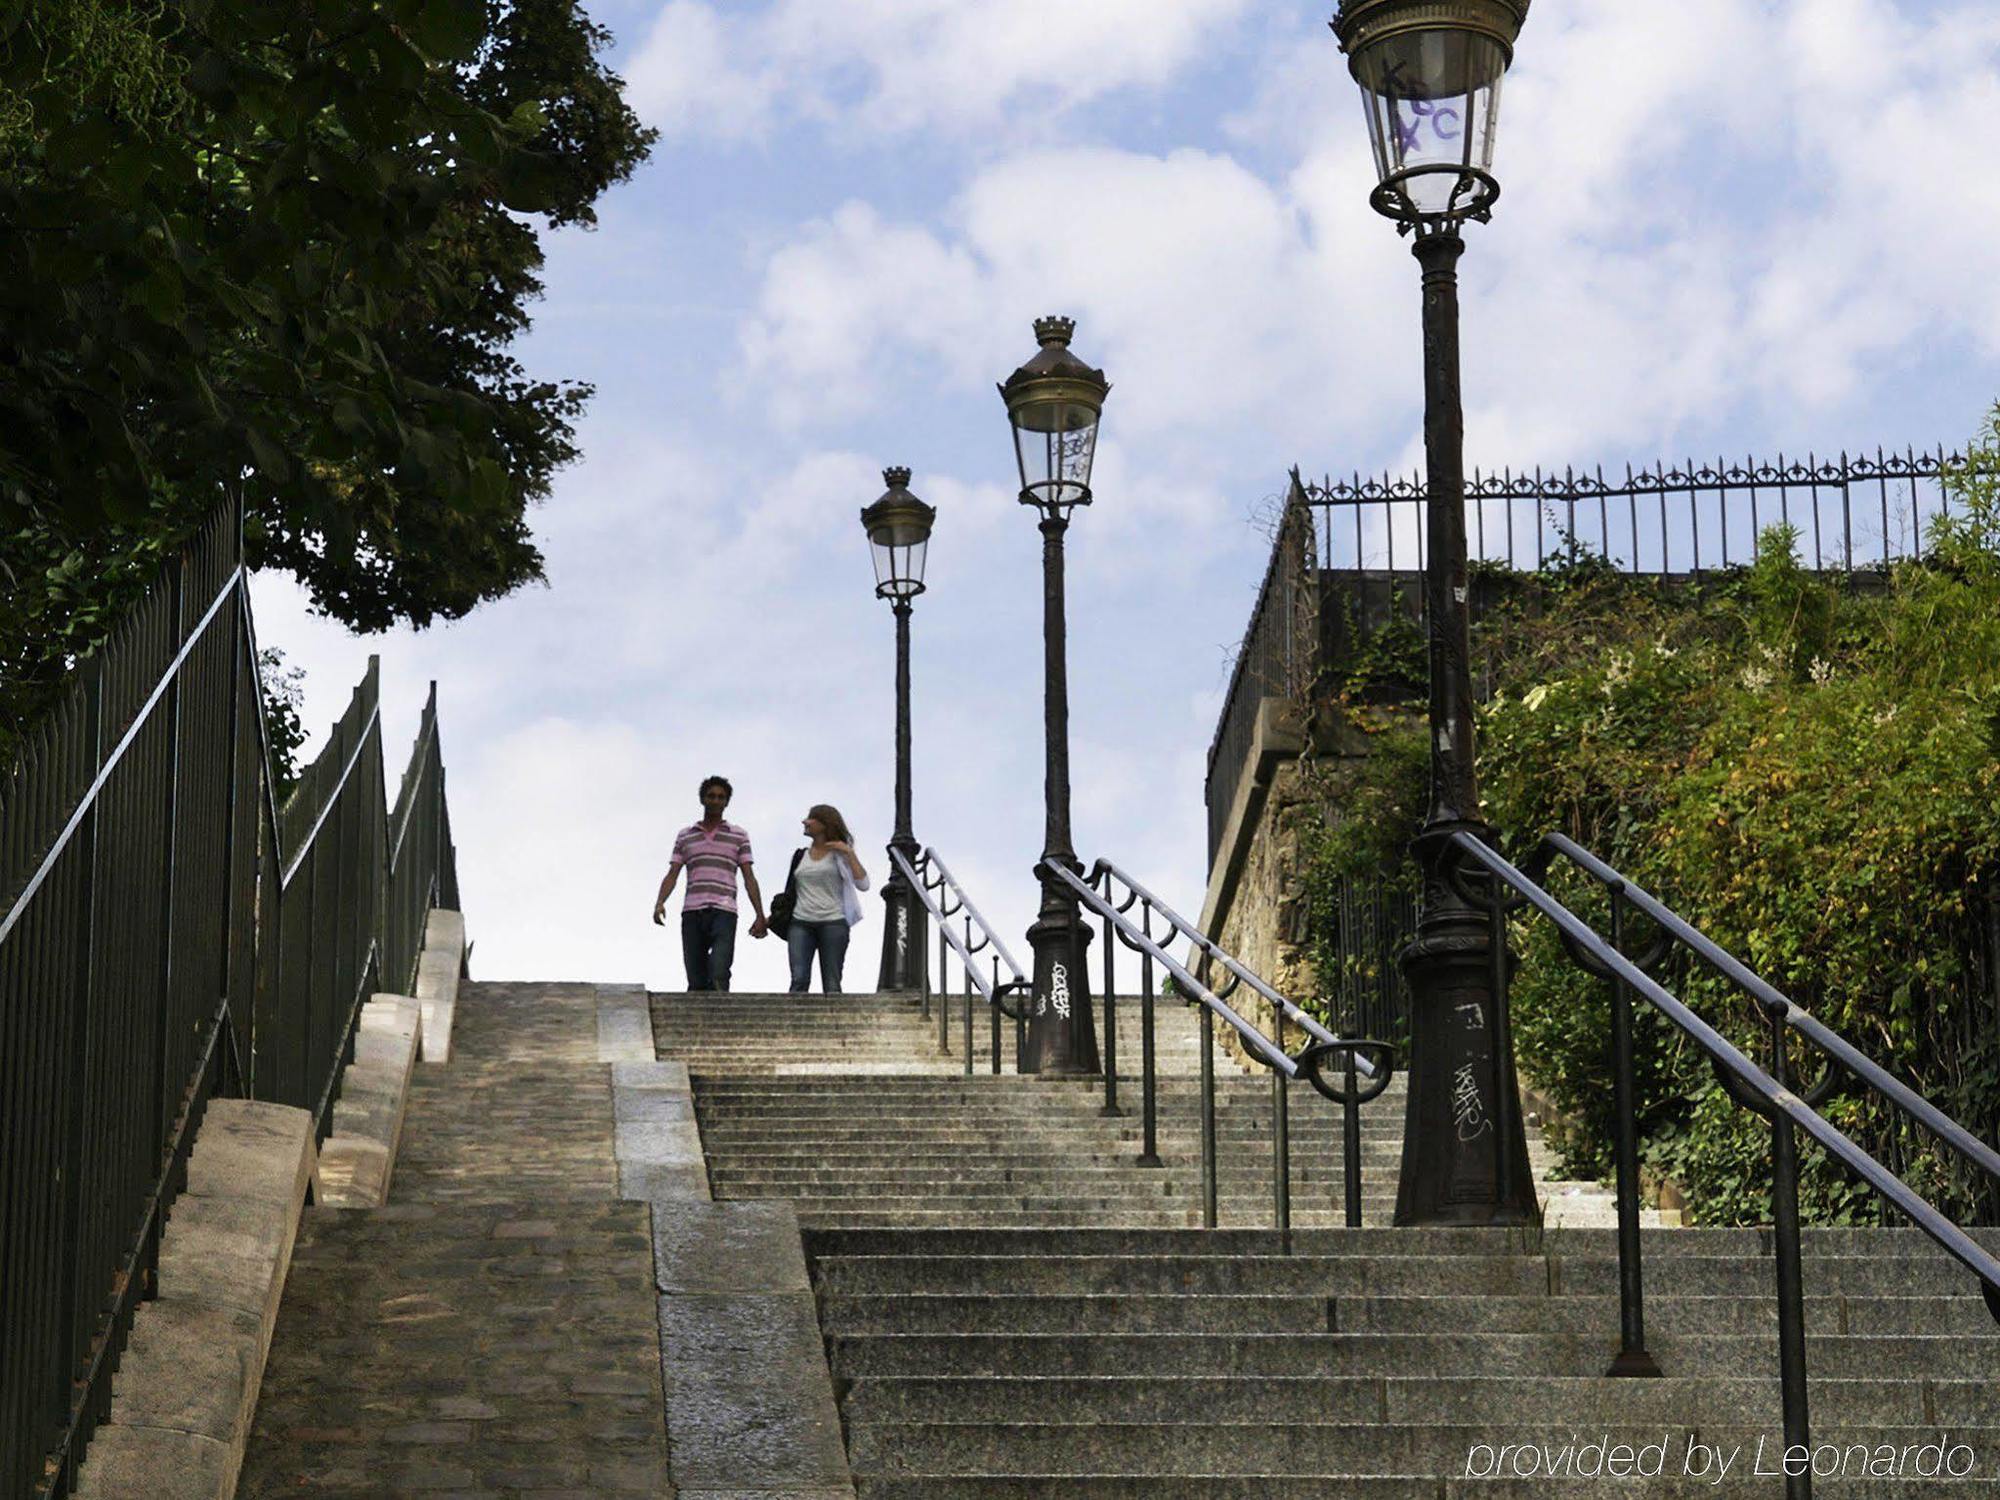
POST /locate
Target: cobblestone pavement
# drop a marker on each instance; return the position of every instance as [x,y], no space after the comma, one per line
[492,1331]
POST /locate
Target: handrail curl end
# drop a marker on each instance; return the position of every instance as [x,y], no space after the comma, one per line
[1313,1060]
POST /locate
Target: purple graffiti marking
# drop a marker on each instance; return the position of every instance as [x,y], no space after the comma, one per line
[1444,120]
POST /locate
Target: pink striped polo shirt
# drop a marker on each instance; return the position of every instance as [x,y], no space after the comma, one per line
[712,858]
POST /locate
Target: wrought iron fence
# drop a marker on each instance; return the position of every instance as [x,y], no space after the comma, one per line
[171,934]
[1852,512]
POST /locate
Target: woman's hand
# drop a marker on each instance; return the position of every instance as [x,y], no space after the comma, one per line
[839,846]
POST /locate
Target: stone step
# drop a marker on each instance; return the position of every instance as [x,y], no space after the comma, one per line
[1202,1275]
[1102,1182]
[1557,1276]
[1039,1308]
[830,1215]
[1054,1164]
[976,1129]
[1257,1354]
[1071,1207]
[1235,1178]
[1427,1241]
[923,1159]
[955,1120]
[1553,1402]
[1046,1311]
[1126,1184]
[1740,1314]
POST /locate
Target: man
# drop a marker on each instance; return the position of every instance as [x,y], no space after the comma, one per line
[713,851]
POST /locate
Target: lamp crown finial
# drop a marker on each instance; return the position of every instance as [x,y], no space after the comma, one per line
[896,476]
[1054,330]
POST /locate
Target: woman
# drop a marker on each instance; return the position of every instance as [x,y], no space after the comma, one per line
[825,905]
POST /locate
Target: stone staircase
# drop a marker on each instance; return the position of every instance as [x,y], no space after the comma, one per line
[1380,1363]
[1014,1308]
[784,1114]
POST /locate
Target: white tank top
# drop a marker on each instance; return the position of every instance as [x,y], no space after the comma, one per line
[818,889]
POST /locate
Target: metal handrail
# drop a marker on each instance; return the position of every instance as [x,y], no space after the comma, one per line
[1269,1052]
[1747,1084]
[1212,952]
[1358,1054]
[140,719]
[928,873]
[406,803]
[370,731]
[1778,1006]
[936,862]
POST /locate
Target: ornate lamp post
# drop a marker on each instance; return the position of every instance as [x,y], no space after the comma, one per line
[1053,403]
[1430,74]
[899,534]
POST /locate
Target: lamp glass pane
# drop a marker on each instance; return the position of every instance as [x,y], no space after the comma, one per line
[1433,100]
[1055,443]
[899,555]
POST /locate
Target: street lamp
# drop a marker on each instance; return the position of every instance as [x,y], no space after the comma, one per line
[1053,404]
[899,534]
[1430,73]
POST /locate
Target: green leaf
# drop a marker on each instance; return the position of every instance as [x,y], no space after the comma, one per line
[447,30]
[271,459]
[81,144]
[350,417]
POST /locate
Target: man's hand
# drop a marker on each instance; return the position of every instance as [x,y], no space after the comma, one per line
[660,914]
[759,927]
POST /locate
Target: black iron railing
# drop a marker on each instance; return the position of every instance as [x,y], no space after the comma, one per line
[1767,1094]
[422,870]
[169,934]
[1365,1066]
[1851,512]
[1278,657]
[1368,925]
[944,899]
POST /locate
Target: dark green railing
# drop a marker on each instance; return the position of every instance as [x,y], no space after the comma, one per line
[168,934]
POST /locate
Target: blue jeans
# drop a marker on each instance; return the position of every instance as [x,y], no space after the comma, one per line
[830,939]
[708,944]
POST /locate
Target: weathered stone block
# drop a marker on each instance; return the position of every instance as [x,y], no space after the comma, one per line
[158,1463]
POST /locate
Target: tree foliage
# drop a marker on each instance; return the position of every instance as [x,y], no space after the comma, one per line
[282,248]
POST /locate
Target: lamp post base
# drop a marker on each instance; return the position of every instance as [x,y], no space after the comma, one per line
[904,948]
[1465,1153]
[1062,1037]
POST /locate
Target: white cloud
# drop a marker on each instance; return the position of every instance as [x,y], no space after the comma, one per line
[685,81]
[893,67]
[1212,298]
[1709,207]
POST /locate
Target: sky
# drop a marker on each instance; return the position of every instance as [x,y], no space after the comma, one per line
[1727,226]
